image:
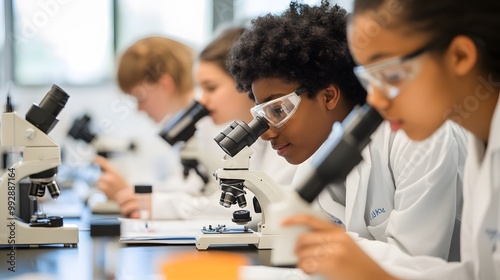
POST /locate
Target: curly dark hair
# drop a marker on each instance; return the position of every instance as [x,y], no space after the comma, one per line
[305,44]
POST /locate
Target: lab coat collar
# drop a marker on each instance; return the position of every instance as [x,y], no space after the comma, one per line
[477,145]
[494,137]
[356,185]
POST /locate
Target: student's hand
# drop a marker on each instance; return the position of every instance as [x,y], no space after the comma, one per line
[116,188]
[129,204]
[328,250]
[110,182]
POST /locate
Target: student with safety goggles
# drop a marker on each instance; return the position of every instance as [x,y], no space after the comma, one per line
[302,80]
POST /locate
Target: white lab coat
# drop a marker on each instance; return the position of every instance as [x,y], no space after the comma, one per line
[182,199]
[403,193]
[480,231]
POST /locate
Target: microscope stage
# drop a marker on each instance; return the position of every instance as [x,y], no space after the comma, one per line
[221,229]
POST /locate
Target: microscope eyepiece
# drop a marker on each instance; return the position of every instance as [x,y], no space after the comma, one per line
[239,135]
[80,130]
[182,126]
[44,116]
[54,101]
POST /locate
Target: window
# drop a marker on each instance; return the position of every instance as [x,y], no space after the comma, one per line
[185,21]
[245,10]
[73,42]
[68,42]
[77,42]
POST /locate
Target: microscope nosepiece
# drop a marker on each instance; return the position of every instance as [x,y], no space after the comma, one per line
[44,180]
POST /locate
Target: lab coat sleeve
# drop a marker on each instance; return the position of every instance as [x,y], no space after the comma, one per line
[176,205]
[403,266]
[180,205]
[428,187]
[192,184]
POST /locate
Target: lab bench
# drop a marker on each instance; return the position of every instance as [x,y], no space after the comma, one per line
[142,261]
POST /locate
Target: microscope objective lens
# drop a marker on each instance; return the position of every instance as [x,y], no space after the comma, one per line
[54,190]
[227,199]
[242,201]
[40,190]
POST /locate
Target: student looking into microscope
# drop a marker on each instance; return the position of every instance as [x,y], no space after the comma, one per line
[225,104]
[157,72]
[297,67]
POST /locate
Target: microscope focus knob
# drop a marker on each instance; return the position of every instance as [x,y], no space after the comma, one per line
[29,133]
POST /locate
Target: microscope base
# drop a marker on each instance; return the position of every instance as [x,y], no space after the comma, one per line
[21,234]
[259,240]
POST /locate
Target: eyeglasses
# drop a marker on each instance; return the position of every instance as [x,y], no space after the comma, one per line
[278,111]
[389,75]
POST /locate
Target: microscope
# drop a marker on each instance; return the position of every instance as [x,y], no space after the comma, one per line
[81,129]
[40,159]
[180,130]
[336,158]
[233,178]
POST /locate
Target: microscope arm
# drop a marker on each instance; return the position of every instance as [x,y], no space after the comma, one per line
[16,131]
[40,152]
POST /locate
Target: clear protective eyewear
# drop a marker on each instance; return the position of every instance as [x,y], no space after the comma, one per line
[278,111]
[389,75]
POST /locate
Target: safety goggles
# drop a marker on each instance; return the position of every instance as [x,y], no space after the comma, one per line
[278,111]
[390,75]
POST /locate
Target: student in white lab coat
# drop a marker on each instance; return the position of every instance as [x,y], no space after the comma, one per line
[157,72]
[225,104]
[429,62]
[301,78]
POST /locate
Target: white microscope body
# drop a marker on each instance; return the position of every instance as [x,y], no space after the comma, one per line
[40,153]
[266,191]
